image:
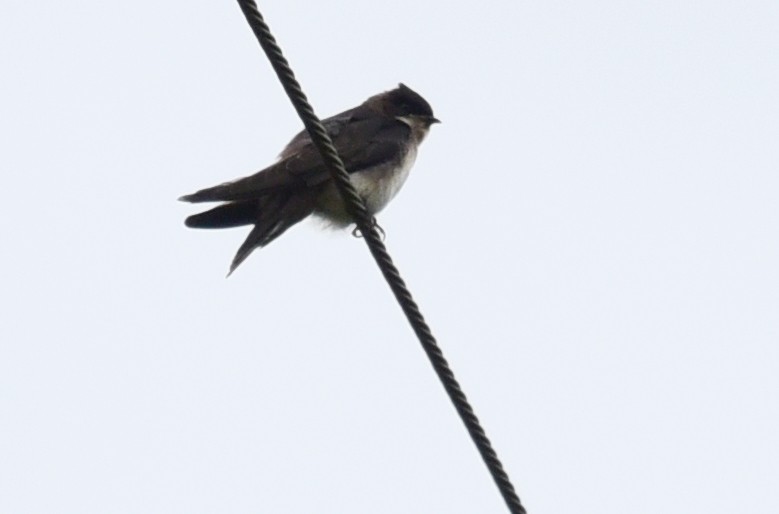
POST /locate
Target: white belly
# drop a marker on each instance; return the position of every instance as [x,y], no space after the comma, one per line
[376,187]
[380,186]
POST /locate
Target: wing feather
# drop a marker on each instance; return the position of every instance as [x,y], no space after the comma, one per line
[361,141]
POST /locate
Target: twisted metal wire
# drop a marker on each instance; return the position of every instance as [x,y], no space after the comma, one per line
[365,222]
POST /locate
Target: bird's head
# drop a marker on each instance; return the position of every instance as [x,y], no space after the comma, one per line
[408,106]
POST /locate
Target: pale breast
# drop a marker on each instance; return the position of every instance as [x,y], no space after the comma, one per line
[377,187]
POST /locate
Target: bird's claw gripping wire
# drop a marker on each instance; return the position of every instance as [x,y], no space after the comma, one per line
[375,224]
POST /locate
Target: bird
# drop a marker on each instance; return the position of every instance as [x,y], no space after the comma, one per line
[377,141]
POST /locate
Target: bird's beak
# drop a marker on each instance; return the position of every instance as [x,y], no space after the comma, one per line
[433,119]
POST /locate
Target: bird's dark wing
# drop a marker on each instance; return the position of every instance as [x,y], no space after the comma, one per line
[362,140]
[333,125]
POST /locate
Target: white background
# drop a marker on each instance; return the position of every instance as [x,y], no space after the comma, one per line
[591,233]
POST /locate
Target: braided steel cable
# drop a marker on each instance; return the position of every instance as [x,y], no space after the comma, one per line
[367,226]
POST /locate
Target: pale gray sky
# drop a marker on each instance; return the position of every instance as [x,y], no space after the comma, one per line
[591,232]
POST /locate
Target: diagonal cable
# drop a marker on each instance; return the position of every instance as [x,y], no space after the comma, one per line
[365,222]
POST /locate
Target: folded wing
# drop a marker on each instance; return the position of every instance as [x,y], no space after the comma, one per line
[360,141]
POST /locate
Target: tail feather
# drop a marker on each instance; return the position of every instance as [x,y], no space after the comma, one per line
[257,238]
[234,214]
[275,217]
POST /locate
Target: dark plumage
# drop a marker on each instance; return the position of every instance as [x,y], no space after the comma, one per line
[376,140]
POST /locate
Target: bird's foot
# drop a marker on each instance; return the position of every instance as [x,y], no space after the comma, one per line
[375,224]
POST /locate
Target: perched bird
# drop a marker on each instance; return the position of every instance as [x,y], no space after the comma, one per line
[377,142]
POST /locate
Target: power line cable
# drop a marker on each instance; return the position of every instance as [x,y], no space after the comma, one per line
[368,227]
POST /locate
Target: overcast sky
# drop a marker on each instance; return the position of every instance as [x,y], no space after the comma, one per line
[592,233]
